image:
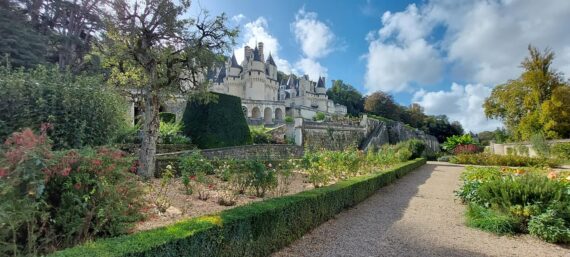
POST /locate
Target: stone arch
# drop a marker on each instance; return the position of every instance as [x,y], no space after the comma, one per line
[267,115]
[255,113]
[244,110]
[278,114]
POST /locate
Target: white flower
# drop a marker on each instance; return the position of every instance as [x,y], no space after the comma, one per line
[169,167]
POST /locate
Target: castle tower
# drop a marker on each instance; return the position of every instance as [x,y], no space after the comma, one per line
[247,52]
[260,49]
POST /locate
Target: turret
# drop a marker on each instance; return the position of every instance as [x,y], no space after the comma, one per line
[260,49]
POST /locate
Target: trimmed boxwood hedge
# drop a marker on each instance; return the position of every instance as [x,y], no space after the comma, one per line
[255,229]
[216,124]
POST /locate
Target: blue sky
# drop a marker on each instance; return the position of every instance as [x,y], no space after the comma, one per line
[446,55]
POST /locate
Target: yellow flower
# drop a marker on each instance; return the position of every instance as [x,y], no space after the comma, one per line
[551,175]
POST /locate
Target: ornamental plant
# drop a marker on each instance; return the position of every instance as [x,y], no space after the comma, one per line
[191,165]
[518,200]
[453,141]
[54,200]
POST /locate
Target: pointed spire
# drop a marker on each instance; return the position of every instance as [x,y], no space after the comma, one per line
[270,60]
[234,62]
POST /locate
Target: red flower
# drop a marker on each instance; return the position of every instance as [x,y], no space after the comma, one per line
[192,177]
[211,186]
[3,172]
[77,186]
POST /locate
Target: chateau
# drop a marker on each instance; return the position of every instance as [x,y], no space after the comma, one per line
[265,99]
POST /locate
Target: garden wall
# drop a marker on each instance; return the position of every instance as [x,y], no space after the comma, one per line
[256,229]
[520,148]
[369,132]
[245,152]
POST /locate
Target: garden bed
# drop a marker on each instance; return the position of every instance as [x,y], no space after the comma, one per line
[518,200]
[184,206]
[255,229]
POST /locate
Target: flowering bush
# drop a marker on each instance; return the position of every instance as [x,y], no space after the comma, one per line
[58,199]
[503,160]
[194,164]
[516,200]
[453,141]
[467,149]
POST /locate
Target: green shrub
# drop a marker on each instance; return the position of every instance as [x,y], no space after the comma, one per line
[319,116]
[509,200]
[82,110]
[540,145]
[55,200]
[256,229]
[487,159]
[167,117]
[259,135]
[561,151]
[549,227]
[128,134]
[289,119]
[216,124]
[453,141]
[492,221]
[261,178]
[445,158]
[415,146]
[522,190]
[194,163]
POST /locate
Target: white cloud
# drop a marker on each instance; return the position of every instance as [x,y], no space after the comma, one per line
[238,18]
[311,68]
[398,54]
[480,43]
[460,103]
[314,36]
[257,31]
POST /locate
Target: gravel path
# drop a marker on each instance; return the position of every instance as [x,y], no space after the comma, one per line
[415,216]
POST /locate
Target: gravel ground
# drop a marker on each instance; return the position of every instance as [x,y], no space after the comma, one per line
[415,216]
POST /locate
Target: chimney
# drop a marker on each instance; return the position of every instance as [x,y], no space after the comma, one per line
[260,48]
[246,52]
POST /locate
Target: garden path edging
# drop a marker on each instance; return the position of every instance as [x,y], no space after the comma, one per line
[256,229]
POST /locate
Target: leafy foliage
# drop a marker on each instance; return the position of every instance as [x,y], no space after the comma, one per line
[81,109]
[346,95]
[561,151]
[54,200]
[534,102]
[454,141]
[218,124]
[503,160]
[507,200]
[195,163]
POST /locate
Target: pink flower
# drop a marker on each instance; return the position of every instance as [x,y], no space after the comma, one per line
[552,175]
[65,172]
[77,186]
[96,162]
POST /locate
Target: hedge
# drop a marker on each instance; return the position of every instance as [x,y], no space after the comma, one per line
[216,124]
[256,229]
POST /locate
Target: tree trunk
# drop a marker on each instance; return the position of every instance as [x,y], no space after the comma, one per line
[151,123]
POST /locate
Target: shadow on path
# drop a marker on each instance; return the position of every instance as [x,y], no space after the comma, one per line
[365,230]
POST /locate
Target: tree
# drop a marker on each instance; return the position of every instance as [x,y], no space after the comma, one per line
[150,45]
[440,127]
[346,95]
[19,42]
[518,103]
[413,115]
[382,104]
[556,113]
